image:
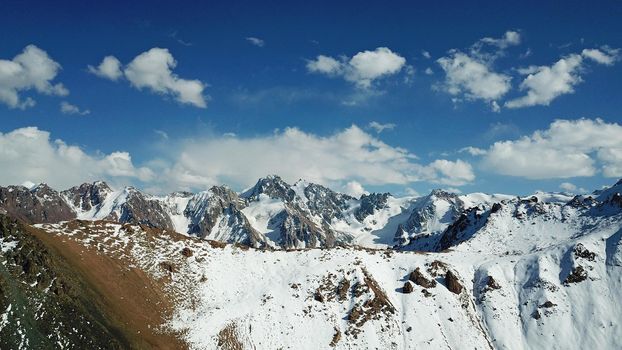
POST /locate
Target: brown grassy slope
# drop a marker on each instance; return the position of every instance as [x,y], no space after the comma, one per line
[129,304]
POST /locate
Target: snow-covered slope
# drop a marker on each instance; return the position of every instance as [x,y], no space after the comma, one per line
[520,281]
[537,272]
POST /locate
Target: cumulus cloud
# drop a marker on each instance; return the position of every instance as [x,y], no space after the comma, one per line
[152,70]
[455,173]
[68,108]
[32,69]
[568,148]
[28,154]
[109,68]
[361,69]
[470,75]
[472,78]
[379,127]
[545,83]
[354,189]
[256,41]
[348,155]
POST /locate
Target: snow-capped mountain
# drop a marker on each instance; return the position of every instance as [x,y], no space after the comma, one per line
[276,214]
[496,271]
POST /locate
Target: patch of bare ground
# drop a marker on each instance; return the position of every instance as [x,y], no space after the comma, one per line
[228,338]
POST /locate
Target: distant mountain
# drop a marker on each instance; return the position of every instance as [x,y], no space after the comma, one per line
[273,213]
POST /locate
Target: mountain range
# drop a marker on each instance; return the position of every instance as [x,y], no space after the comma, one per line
[304,267]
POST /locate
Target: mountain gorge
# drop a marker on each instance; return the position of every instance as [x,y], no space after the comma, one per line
[304,267]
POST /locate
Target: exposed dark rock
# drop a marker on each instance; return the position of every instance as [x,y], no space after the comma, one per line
[342,289]
[168,266]
[336,337]
[373,308]
[418,278]
[548,304]
[453,283]
[408,287]
[581,252]
[491,283]
[187,252]
[495,208]
[577,275]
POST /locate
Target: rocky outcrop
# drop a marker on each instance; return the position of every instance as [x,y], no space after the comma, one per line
[369,203]
[418,278]
[453,283]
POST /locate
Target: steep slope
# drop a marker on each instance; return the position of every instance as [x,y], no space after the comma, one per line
[55,293]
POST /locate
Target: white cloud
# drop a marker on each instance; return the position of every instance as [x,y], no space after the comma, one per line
[545,83]
[567,186]
[429,71]
[474,151]
[256,41]
[354,189]
[471,75]
[28,154]
[568,148]
[68,108]
[378,127]
[453,173]
[510,38]
[426,54]
[324,64]
[472,78]
[572,188]
[608,57]
[362,69]
[452,190]
[109,68]
[347,155]
[153,70]
[32,69]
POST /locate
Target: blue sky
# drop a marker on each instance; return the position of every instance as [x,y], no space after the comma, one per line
[255,89]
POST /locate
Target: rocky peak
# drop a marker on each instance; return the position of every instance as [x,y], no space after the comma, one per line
[272,186]
[87,195]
